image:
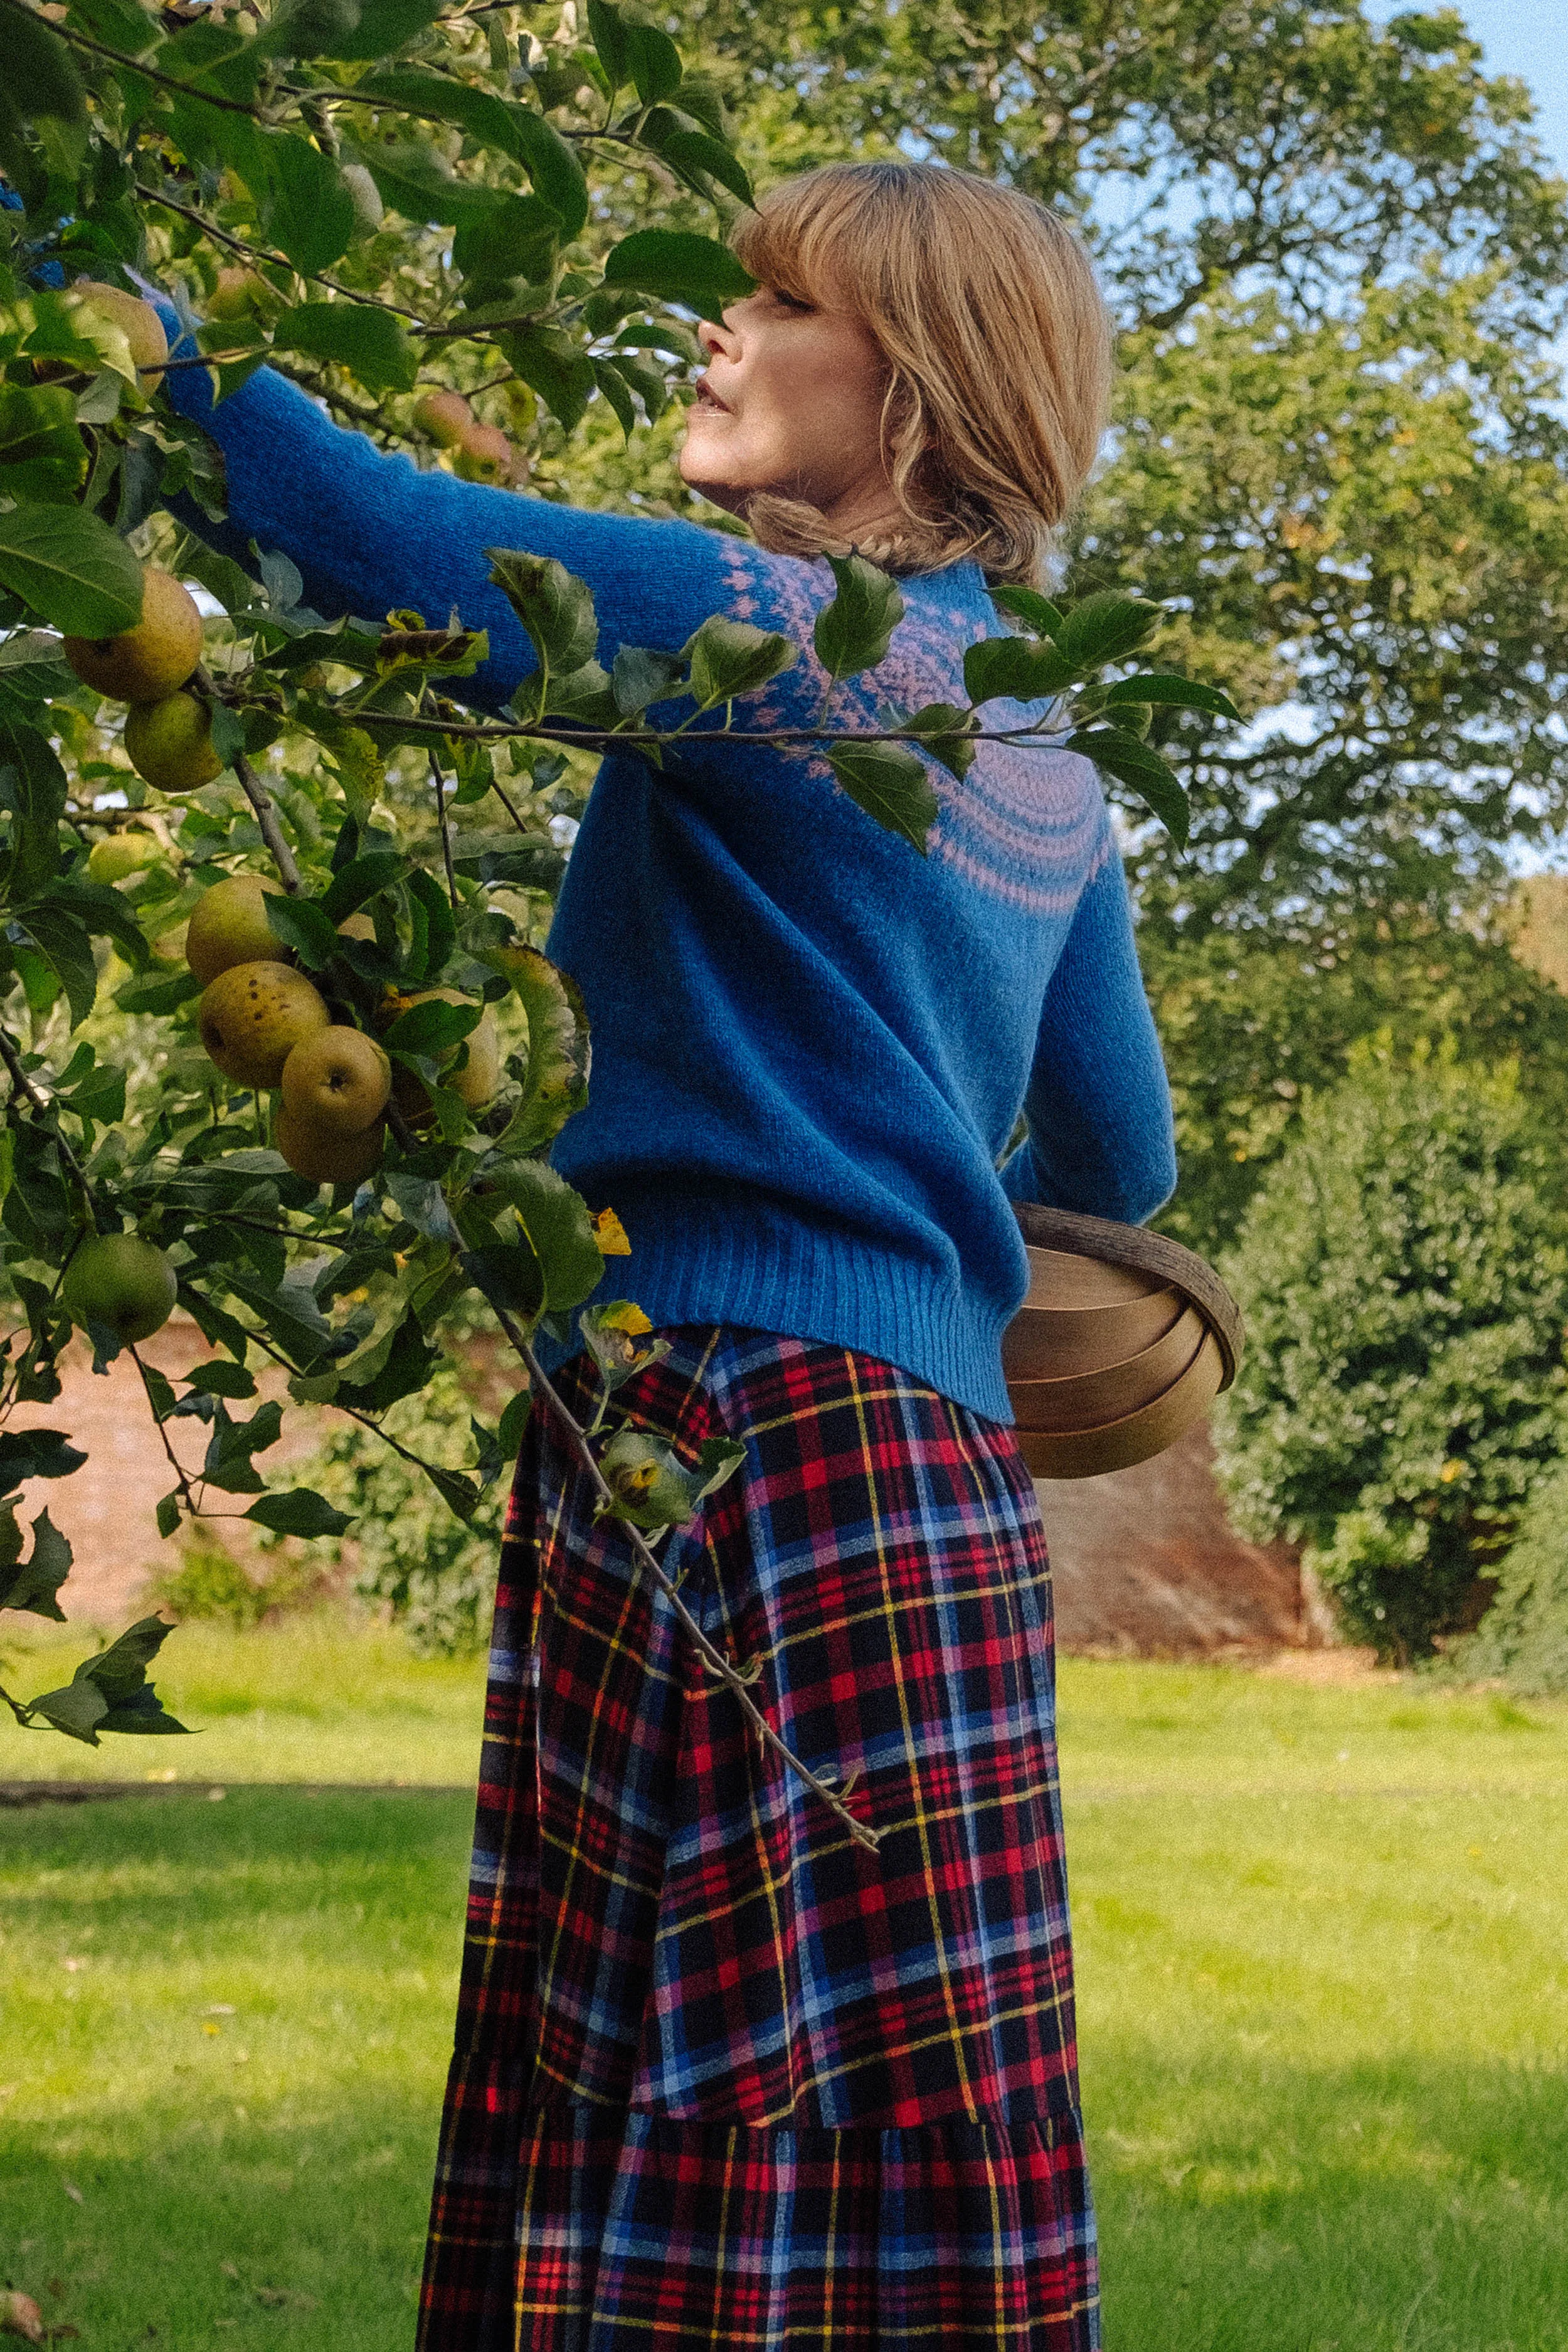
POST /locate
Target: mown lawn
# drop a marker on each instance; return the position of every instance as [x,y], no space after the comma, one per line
[1323,1954]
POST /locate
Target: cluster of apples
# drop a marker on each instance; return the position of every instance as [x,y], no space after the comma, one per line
[168,731]
[479,453]
[264,1026]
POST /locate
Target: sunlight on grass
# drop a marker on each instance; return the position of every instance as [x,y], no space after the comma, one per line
[1323,1938]
[1219,1729]
[326,1697]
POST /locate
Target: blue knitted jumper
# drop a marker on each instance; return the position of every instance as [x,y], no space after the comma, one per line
[811,1044]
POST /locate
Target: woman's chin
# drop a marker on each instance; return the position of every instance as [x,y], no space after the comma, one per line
[708,482]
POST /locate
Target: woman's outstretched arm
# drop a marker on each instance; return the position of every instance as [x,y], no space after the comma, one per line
[372,534]
[1098,1102]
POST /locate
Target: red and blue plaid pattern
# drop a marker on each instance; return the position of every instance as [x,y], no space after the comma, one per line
[725,2078]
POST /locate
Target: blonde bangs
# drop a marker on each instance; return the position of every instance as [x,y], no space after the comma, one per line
[998,346]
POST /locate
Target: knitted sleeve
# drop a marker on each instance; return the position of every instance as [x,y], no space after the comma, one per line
[372,534]
[1102,1137]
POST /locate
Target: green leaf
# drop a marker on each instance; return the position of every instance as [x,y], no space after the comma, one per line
[556,1223]
[41,77]
[220,1378]
[64,946]
[227,1463]
[1132,764]
[71,570]
[1015,669]
[111,1692]
[559,1050]
[105,914]
[1180,693]
[947,733]
[361,878]
[643,376]
[119,23]
[432,1027]
[309,28]
[418,187]
[76,1710]
[408,1366]
[554,366]
[514,130]
[34,1585]
[607,31]
[583,695]
[460,1495]
[156,995]
[853,633]
[554,606]
[33,787]
[372,345]
[301,1513]
[305,925]
[698,154]
[385,26]
[306,206]
[641,676]
[652,60]
[42,454]
[678,266]
[1027,604]
[518,239]
[479,111]
[554,168]
[890,783]
[618,392]
[1105,628]
[729,657]
[168,1514]
[513,1421]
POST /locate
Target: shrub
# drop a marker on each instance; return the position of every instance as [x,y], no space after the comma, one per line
[1404,1271]
[434,1574]
[209,1583]
[1256,1022]
[1523,1637]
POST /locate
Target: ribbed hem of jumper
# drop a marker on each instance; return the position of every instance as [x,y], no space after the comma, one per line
[699,1259]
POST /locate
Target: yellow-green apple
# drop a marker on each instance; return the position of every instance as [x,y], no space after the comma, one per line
[148,662]
[229,926]
[121,1280]
[253,1015]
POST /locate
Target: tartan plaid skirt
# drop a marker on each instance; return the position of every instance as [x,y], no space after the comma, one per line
[723,2077]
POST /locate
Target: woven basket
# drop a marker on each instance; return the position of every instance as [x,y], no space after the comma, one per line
[1124,1340]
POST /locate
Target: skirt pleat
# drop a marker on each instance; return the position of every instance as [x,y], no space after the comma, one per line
[723,2077]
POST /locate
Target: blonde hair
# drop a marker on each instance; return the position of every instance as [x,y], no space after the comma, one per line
[998,346]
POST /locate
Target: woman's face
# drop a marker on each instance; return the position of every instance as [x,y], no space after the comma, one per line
[791,401]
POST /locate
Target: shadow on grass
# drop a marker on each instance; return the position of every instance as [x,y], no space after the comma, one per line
[226,2027]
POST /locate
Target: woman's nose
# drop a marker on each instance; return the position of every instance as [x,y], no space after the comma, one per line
[716,338]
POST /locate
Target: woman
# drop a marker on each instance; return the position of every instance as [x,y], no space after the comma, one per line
[724,2077]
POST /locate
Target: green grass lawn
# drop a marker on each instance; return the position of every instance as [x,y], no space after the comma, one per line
[1323,1960]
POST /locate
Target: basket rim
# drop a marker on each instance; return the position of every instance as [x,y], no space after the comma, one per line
[1135,1246]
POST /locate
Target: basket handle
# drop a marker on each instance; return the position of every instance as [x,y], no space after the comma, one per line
[1145,1253]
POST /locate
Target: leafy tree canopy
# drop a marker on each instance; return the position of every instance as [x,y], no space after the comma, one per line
[1339,262]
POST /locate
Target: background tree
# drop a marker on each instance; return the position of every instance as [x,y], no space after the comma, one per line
[1406,1269]
[1339,263]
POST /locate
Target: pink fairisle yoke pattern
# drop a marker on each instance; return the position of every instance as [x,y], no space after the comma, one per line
[1027,824]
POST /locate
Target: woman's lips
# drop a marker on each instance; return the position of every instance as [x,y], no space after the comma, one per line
[708,398]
